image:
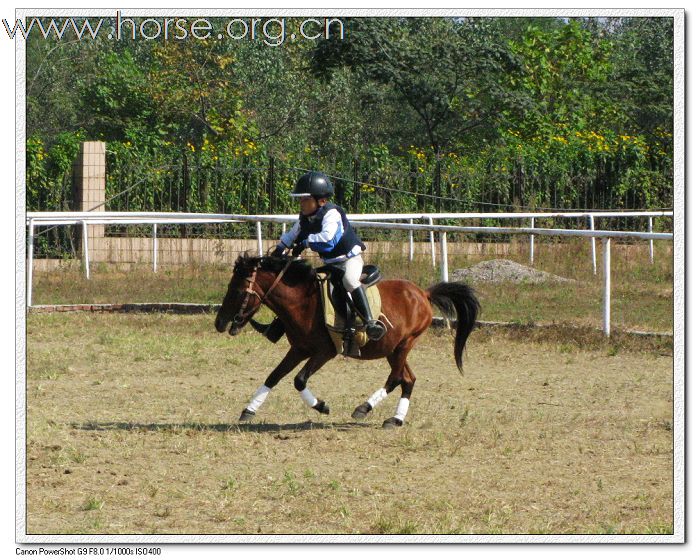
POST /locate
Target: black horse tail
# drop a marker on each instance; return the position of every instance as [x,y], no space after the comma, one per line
[455,298]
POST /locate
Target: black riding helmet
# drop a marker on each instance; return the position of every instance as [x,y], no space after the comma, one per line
[314,184]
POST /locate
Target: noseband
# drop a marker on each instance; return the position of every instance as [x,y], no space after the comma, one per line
[242,316]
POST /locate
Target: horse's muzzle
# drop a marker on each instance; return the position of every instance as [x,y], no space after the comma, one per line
[222,322]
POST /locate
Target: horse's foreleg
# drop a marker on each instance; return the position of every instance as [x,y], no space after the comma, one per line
[313,365]
[288,363]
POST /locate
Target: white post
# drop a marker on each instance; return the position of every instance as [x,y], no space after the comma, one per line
[410,242]
[30,262]
[258,230]
[606,286]
[86,250]
[593,256]
[443,250]
[155,247]
[532,242]
[432,240]
[284,228]
[651,241]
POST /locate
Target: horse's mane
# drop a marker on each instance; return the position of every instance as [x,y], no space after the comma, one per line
[299,271]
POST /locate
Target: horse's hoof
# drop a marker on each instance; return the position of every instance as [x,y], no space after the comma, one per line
[322,407]
[392,423]
[361,411]
[246,415]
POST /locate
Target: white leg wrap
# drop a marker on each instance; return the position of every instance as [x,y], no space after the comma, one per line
[258,398]
[402,409]
[308,397]
[377,397]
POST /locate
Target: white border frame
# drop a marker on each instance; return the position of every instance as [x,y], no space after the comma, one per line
[679,287]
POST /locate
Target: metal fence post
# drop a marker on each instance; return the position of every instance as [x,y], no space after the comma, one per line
[532,242]
[593,256]
[30,262]
[432,240]
[155,247]
[258,230]
[410,242]
[651,241]
[606,286]
[86,250]
[443,250]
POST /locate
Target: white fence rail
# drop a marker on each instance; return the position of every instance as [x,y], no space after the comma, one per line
[107,218]
[85,219]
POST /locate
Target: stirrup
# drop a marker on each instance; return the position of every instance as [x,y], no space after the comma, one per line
[375,330]
[349,333]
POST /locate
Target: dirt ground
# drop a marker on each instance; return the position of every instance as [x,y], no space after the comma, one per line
[132,429]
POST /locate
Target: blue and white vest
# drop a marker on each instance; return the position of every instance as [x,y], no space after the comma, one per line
[328,232]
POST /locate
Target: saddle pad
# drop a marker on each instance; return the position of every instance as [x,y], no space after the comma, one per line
[336,324]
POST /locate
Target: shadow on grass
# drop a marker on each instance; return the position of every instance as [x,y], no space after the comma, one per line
[199,427]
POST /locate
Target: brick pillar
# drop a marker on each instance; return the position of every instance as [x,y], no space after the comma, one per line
[89,174]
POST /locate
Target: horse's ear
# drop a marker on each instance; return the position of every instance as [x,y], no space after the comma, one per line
[239,260]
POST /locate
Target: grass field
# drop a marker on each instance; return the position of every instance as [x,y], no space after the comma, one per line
[642,293]
[132,429]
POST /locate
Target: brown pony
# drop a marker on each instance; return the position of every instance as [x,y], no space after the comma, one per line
[290,289]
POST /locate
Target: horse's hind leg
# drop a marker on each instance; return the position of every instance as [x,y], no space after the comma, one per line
[397,361]
[313,365]
[288,363]
[407,382]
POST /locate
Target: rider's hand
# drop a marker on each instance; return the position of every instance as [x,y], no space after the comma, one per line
[298,249]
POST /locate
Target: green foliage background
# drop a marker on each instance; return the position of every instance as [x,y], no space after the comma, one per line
[408,114]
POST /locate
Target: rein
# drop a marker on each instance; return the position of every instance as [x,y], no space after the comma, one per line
[241,317]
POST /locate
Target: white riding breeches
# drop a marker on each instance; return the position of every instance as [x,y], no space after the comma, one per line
[353,271]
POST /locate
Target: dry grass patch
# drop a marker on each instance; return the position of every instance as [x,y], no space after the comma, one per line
[642,293]
[132,428]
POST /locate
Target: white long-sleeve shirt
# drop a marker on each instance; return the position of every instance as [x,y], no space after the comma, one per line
[330,235]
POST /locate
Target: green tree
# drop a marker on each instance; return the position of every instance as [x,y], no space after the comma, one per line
[562,71]
[641,83]
[451,73]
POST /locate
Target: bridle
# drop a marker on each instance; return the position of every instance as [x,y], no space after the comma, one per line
[241,317]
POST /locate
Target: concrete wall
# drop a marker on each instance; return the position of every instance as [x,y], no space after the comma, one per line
[125,252]
[89,176]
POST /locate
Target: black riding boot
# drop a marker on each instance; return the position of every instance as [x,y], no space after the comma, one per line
[375,329]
